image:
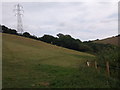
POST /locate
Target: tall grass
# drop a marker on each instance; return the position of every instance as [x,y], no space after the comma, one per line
[112,56]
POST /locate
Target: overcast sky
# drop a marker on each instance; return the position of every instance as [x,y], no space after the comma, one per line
[82,20]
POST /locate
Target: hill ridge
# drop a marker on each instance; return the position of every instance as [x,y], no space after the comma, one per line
[110,40]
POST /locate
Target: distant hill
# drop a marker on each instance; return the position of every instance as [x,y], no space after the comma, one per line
[111,40]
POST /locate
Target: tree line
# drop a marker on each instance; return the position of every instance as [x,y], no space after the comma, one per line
[63,40]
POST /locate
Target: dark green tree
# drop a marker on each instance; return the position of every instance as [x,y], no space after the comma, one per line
[26,34]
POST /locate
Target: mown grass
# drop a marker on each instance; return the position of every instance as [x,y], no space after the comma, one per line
[24,50]
[29,63]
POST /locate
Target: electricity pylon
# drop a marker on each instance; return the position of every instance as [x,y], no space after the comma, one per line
[18,12]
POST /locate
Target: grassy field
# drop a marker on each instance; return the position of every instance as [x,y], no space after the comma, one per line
[28,63]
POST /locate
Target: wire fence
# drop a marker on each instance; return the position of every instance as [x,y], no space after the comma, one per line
[105,67]
[111,67]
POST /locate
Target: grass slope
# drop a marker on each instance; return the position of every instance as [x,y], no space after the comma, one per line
[111,40]
[28,63]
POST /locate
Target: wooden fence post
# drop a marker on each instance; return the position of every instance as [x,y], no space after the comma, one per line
[96,64]
[108,68]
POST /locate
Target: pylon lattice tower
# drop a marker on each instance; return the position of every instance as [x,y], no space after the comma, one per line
[18,10]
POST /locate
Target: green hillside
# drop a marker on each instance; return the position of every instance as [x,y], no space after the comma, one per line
[110,40]
[29,63]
